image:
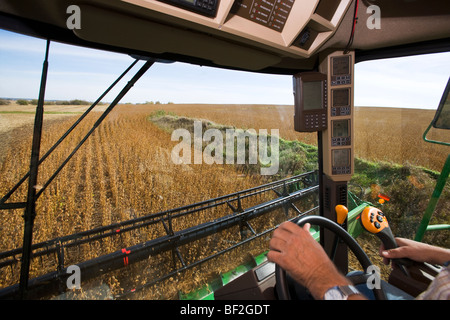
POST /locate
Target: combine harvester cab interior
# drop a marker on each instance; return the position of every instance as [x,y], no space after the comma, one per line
[317,43]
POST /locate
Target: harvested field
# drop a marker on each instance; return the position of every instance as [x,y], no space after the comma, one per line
[124,170]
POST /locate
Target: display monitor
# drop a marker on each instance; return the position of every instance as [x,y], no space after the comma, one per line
[341,102]
[341,66]
[338,139]
[341,70]
[204,7]
[340,132]
[341,128]
[310,99]
[340,97]
[341,157]
[341,161]
[313,95]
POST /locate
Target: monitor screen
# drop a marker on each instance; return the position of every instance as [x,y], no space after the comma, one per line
[341,65]
[341,158]
[312,95]
[340,128]
[341,97]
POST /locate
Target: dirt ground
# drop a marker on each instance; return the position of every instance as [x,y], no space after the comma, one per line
[17,121]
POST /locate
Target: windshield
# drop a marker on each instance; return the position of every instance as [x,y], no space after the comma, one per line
[185,135]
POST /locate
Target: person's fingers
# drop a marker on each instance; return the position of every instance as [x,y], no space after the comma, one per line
[381,250]
[273,256]
[295,229]
[289,227]
[283,239]
[402,241]
[276,244]
[280,252]
[400,252]
[306,227]
[287,231]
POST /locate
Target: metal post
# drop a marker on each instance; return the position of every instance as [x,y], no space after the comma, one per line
[320,180]
[30,209]
[331,193]
[434,200]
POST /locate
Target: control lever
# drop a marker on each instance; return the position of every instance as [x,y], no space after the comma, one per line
[341,215]
[374,221]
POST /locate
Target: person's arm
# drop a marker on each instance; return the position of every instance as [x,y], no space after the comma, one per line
[295,250]
[417,251]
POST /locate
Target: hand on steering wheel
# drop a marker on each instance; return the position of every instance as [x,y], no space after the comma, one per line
[294,250]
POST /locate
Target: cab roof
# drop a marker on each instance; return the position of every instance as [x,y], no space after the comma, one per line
[233,39]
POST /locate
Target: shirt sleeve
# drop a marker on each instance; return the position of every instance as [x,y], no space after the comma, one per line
[439,288]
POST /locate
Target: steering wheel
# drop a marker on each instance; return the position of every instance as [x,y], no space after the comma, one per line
[282,285]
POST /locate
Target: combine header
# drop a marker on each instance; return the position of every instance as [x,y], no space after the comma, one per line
[283,194]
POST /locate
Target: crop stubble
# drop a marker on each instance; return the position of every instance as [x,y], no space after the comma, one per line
[122,172]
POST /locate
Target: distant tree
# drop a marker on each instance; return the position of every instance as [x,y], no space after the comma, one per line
[78,102]
[4,102]
[22,102]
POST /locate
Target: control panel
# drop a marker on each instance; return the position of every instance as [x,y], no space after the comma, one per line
[341,70]
[204,7]
[338,138]
[340,135]
[340,102]
[374,221]
[239,34]
[270,13]
[310,99]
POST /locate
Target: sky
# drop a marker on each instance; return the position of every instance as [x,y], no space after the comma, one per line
[80,73]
